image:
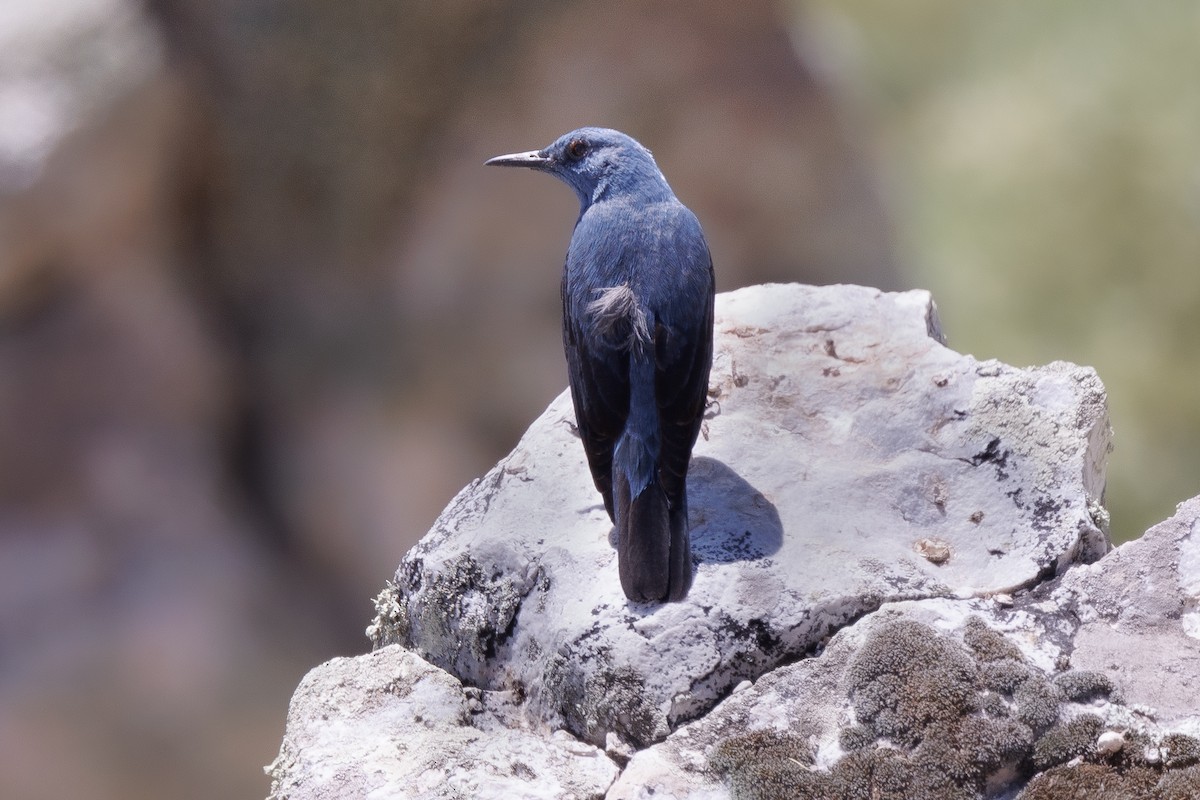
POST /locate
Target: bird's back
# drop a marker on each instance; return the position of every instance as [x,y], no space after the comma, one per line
[640,382]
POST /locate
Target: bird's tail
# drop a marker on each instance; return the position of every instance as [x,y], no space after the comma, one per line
[653,546]
[654,549]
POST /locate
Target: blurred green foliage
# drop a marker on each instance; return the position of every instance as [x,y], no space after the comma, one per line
[1042,161]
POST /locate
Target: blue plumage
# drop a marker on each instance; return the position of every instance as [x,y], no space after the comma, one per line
[637,294]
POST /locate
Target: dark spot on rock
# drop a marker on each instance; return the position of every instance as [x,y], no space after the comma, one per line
[992,454]
[768,641]
[1047,513]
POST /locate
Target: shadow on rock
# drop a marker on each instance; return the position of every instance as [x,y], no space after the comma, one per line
[731,520]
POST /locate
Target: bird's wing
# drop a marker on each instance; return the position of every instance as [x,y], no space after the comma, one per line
[599,378]
[683,356]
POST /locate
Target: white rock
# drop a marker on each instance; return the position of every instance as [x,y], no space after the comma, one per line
[1109,743]
[1136,627]
[869,512]
[391,725]
[841,434]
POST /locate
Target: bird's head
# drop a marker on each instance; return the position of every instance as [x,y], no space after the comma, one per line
[598,163]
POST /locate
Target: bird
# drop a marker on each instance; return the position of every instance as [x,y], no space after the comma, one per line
[637,329]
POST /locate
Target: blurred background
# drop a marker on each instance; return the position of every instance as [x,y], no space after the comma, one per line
[263,312]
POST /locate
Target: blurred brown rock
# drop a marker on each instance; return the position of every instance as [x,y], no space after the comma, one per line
[262,312]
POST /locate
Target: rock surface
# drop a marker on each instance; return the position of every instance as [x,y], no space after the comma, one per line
[903,591]
[1087,681]
[849,460]
[399,727]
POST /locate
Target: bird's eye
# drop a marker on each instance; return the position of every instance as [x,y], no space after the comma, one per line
[577,149]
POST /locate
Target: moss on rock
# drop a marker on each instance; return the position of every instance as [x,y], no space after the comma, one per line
[1180,750]
[1067,740]
[943,720]
[988,645]
[1091,782]
[906,677]
[766,765]
[1081,686]
[1037,703]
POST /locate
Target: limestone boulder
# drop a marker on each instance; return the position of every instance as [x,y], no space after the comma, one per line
[849,459]
[391,725]
[903,591]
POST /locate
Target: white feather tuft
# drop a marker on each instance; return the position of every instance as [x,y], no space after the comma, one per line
[615,304]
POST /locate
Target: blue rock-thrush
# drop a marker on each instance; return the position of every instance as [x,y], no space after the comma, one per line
[637,294]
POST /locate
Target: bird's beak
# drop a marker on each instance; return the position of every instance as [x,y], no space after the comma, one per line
[532,159]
